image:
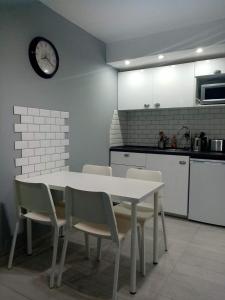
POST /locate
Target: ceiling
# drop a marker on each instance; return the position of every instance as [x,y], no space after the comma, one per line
[117,20]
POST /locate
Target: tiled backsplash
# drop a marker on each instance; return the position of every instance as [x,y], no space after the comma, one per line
[142,127]
[43,140]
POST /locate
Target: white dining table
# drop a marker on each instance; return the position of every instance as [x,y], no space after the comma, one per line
[124,189]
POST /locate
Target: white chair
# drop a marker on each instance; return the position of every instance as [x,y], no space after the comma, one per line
[94,211]
[36,200]
[97,170]
[145,210]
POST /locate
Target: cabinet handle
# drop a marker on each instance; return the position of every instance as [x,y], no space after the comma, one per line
[182,162]
[126,155]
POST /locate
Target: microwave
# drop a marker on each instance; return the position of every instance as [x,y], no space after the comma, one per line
[212,93]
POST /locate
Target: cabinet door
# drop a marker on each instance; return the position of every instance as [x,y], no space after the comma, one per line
[174,86]
[135,89]
[175,173]
[121,170]
[128,158]
[209,67]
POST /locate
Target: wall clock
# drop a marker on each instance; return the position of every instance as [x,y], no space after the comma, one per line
[43,57]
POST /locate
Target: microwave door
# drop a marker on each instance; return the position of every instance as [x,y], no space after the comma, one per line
[213,93]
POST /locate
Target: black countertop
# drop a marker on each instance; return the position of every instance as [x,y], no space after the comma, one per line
[169,151]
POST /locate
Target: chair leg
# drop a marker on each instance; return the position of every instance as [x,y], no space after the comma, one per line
[164,229]
[116,273]
[54,257]
[87,246]
[62,261]
[29,237]
[13,245]
[99,244]
[143,262]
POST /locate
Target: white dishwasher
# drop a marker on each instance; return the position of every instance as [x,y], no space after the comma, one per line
[207,191]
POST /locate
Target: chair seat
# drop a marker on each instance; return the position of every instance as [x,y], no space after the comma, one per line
[43,218]
[144,212]
[101,230]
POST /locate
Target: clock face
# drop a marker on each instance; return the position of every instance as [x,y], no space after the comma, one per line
[43,57]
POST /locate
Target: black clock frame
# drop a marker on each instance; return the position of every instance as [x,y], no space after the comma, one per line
[33,60]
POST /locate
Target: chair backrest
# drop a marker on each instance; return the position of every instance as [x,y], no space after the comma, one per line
[91,207]
[144,175]
[35,197]
[98,170]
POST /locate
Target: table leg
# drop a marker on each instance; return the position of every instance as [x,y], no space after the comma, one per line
[155,235]
[133,248]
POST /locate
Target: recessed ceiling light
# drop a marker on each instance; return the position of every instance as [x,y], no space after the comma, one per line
[127,62]
[160,56]
[199,50]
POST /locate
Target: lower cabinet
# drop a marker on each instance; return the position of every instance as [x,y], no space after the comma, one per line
[175,174]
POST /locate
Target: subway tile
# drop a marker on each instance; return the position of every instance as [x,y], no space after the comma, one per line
[50,150]
[34,174]
[55,114]
[64,115]
[45,143]
[20,144]
[39,120]
[59,149]
[21,162]
[27,136]
[20,110]
[33,128]
[39,151]
[46,158]
[55,157]
[20,127]
[65,155]
[27,119]
[65,128]
[33,111]
[34,144]
[27,152]
[50,165]
[60,163]
[45,128]
[27,169]
[59,121]
[39,136]
[45,113]
[40,167]
[34,160]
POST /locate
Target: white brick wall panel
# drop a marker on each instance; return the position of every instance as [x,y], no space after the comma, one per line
[39,136]
[50,165]
[59,149]
[59,135]
[50,150]
[34,160]
[20,110]
[60,163]
[34,174]
[40,167]
[45,143]
[27,169]
[27,119]
[65,128]
[45,113]
[33,128]
[55,114]
[27,136]
[45,128]
[20,145]
[55,157]
[27,152]
[50,135]
[20,127]
[34,144]
[59,121]
[33,111]
[65,155]
[55,143]
[39,151]
[21,162]
[39,120]
[46,158]
[65,114]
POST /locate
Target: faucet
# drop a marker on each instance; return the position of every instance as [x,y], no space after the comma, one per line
[186,135]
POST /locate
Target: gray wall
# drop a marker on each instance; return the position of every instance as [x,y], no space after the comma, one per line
[84,85]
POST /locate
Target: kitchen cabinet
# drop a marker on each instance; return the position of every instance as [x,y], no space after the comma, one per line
[163,87]
[175,174]
[209,67]
[207,190]
[122,161]
[135,89]
[174,86]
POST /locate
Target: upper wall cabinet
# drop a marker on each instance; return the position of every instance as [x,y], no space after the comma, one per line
[135,89]
[209,67]
[170,86]
[174,86]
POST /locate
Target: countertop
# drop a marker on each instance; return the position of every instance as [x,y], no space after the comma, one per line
[169,151]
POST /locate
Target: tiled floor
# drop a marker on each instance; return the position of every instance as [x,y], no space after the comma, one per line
[193,269]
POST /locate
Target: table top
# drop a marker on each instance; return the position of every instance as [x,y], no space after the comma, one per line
[132,189]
